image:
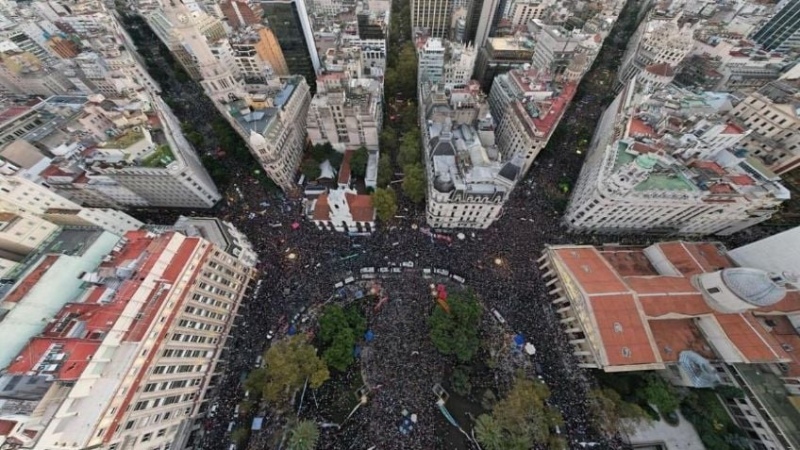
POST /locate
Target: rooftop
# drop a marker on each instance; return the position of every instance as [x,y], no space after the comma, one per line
[643,305]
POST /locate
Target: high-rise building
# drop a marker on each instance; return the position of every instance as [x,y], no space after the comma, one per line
[499,55]
[288,20]
[457,128]
[781,33]
[346,112]
[482,19]
[126,356]
[771,113]
[663,160]
[655,42]
[431,17]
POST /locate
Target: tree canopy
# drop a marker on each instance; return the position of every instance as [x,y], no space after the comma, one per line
[456,333]
[409,148]
[520,420]
[338,330]
[304,436]
[310,169]
[287,364]
[359,161]
[414,182]
[385,203]
[385,172]
[611,413]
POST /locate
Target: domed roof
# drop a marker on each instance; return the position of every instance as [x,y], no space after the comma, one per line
[256,139]
[753,286]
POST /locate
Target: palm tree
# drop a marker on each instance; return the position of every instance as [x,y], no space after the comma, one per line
[304,436]
[489,433]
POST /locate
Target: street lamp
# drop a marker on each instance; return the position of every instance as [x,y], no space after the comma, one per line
[498,261]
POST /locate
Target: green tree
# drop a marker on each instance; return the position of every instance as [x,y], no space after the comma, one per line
[610,413]
[287,365]
[359,161]
[310,169]
[388,141]
[385,172]
[339,329]
[660,394]
[239,436]
[456,332]
[729,392]
[524,412]
[385,203]
[414,182]
[409,149]
[304,436]
[460,381]
[335,158]
[489,433]
[321,152]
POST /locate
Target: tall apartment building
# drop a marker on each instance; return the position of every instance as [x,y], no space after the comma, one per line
[20,195]
[771,112]
[529,107]
[119,156]
[781,32]
[656,168]
[727,65]
[469,178]
[688,311]
[524,11]
[270,117]
[430,60]
[482,19]
[130,360]
[289,20]
[173,27]
[431,17]
[656,41]
[346,112]
[459,64]
[557,50]
[499,55]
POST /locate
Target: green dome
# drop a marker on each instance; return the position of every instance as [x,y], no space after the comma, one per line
[646,162]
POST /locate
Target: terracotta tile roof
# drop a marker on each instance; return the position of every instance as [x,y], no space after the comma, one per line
[732,128]
[548,120]
[784,332]
[344,170]
[322,211]
[721,188]
[6,426]
[710,166]
[655,306]
[77,355]
[30,280]
[638,127]
[789,305]
[591,270]
[622,330]
[361,207]
[741,180]
[661,70]
[750,337]
[629,262]
[672,336]
[679,256]
[660,285]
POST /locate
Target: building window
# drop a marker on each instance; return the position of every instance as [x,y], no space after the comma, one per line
[713,290]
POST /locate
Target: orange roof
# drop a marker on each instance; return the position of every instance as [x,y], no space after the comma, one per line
[21,290]
[741,180]
[77,355]
[733,129]
[638,127]
[679,256]
[660,285]
[344,170]
[547,121]
[656,306]
[662,70]
[789,305]
[622,330]
[361,207]
[322,210]
[710,166]
[591,270]
[784,332]
[6,426]
[672,336]
[750,337]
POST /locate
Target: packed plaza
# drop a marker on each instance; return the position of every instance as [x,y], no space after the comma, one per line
[380,224]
